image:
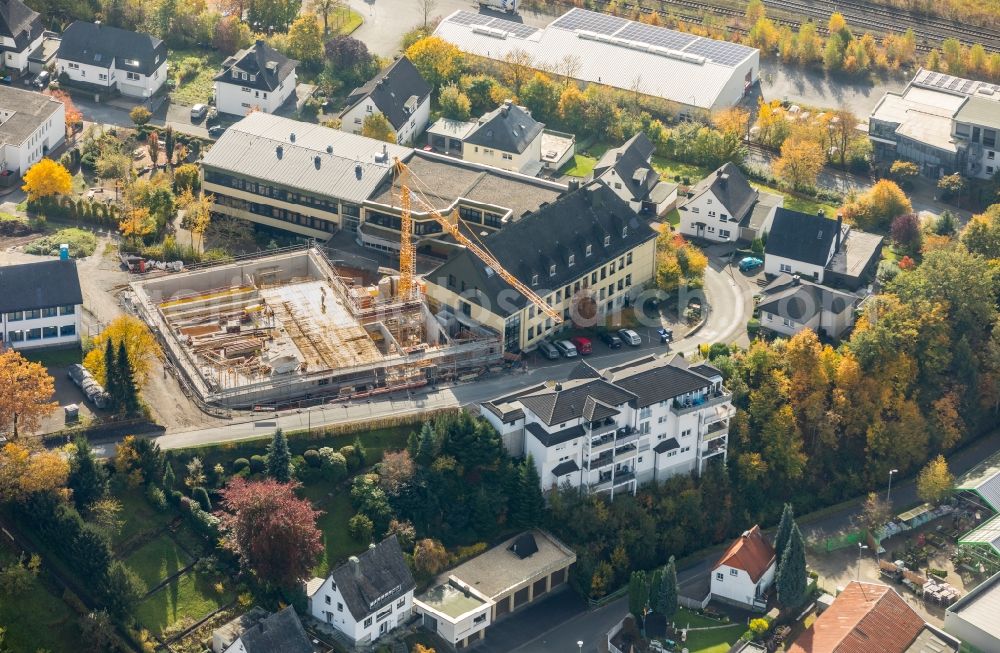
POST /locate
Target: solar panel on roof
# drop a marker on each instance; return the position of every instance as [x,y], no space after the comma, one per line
[469,18]
[721,52]
[591,21]
[665,38]
[518,30]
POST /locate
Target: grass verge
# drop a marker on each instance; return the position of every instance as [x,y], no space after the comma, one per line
[181,603]
[337,542]
[37,619]
[580,166]
[157,560]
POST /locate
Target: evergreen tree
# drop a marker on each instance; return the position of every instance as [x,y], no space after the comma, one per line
[168,478]
[784,531]
[129,393]
[426,448]
[791,580]
[279,459]
[169,142]
[667,591]
[359,449]
[528,505]
[200,495]
[655,580]
[87,477]
[638,594]
[111,385]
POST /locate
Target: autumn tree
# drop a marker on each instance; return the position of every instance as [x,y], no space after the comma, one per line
[23,473]
[377,126]
[876,208]
[153,146]
[842,128]
[272,531]
[734,120]
[875,513]
[541,96]
[429,557]
[45,178]
[935,482]
[454,102]
[231,34]
[323,9]
[136,223]
[516,67]
[395,470]
[904,170]
[437,60]
[982,234]
[906,232]
[800,163]
[305,40]
[73,115]
[27,395]
[140,115]
[140,344]
[197,212]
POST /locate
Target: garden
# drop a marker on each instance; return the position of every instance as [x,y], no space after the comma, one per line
[193,73]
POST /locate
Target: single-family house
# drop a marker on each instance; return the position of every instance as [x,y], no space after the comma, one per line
[823,250]
[367,596]
[628,171]
[872,618]
[40,305]
[31,126]
[790,304]
[102,58]
[400,93]
[723,208]
[745,571]
[21,33]
[508,138]
[258,78]
[260,632]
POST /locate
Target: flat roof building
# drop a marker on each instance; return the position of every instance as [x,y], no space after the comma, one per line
[975,618]
[695,74]
[31,126]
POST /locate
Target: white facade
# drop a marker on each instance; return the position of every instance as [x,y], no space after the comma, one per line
[18,59]
[327,605]
[47,135]
[826,320]
[237,99]
[353,119]
[706,217]
[775,265]
[128,83]
[528,159]
[736,586]
[48,327]
[457,628]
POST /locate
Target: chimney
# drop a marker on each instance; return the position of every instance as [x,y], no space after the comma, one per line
[723,179]
[840,225]
[259,43]
[821,213]
[718,173]
[795,279]
[355,566]
[558,387]
[573,185]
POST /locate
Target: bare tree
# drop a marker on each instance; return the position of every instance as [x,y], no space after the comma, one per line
[323,9]
[516,68]
[428,7]
[570,66]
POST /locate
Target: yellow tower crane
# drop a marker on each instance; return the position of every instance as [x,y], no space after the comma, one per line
[407,258]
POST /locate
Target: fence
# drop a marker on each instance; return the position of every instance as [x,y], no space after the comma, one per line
[617,628]
[841,542]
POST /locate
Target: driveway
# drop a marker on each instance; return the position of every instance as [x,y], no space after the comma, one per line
[815,88]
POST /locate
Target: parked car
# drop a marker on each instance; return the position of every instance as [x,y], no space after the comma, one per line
[583,345]
[630,337]
[216,130]
[666,335]
[611,340]
[41,80]
[6,80]
[750,263]
[548,350]
[199,111]
[566,348]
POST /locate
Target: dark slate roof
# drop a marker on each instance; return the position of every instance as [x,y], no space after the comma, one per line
[524,546]
[19,22]
[391,91]
[706,370]
[552,439]
[595,410]
[268,66]
[547,237]
[103,45]
[382,572]
[731,188]
[567,467]
[281,632]
[631,162]
[656,382]
[801,300]
[567,401]
[583,370]
[667,445]
[801,236]
[508,128]
[45,284]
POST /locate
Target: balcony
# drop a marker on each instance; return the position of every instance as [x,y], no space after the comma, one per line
[603,460]
[602,428]
[625,453]
[618,436]
[700,403]
[606,482]
[715,446]
[716,429]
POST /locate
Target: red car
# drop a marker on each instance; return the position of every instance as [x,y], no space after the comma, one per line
[582,345]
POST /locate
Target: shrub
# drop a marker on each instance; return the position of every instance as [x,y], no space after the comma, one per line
[156,498]
[200,495]
[360,527]
[333,464]
[240,464]
[312,458]
[175,497]
[257,464]
[753,327]
[351,456]
[940,573]
[188,69]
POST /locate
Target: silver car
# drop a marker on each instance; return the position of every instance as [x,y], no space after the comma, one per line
[199,111]
[630,337]
[566,348]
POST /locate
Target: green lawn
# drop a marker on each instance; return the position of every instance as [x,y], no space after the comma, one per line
[140,517]
[200,87]
[344,21]
[581,166]
[673,217]
[38,618]
[799,203]
[717,640]
[337,542]
[8,217]
[63,357]
[670,168]
[188,598]
[157,560]
[81,243]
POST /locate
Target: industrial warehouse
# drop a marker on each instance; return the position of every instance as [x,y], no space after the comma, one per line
[288,326]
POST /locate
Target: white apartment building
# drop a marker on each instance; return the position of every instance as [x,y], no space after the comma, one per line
[103,58]
[40,305]
[31,126]
[21,33]
[258,77]
[367,596]
[615,429]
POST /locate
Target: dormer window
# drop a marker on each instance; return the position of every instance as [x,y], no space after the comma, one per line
[236,74]
[552,270]
[131,62]
[624,232]
[244,75]
[253,78]
[590,250]
[607,241]
[534,280]
[572,260]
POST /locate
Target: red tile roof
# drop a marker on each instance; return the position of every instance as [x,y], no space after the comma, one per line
[864,618]
[752,553]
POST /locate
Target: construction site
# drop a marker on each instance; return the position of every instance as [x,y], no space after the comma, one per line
[275,329]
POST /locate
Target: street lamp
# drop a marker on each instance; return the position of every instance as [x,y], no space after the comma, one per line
[861,547]
[579,645]
[888,492]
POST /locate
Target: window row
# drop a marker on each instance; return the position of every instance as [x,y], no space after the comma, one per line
[292,197]
[40,333]
[17,316]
